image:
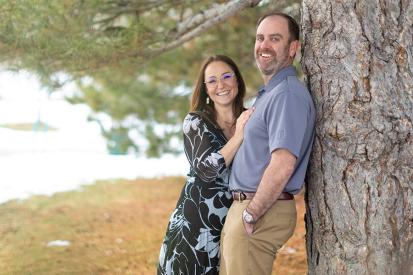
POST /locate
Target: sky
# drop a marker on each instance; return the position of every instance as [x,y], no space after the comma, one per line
[45,162]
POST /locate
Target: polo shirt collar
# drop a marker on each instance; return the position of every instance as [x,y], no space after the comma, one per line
[277,79]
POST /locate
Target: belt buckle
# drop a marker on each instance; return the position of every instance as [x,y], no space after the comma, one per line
[241,196]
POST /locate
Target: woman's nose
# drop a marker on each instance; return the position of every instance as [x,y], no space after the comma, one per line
[220,83]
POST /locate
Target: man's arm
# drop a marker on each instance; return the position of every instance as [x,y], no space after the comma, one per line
[272,184]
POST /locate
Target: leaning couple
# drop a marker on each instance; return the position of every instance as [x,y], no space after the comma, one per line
[237,207]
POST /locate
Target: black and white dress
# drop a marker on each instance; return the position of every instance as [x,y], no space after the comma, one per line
[191,244]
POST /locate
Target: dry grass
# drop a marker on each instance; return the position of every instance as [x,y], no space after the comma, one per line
[292,257]
[113,228]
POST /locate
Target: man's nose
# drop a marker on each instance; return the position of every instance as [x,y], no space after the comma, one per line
[265,43]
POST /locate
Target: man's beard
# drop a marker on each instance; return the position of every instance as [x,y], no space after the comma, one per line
[271,69]
[274,66]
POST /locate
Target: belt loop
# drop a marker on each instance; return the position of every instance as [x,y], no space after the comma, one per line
[242,196]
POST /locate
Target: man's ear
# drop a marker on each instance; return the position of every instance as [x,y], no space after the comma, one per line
[294,45]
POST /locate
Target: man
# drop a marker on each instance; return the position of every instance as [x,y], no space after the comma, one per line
[270,165]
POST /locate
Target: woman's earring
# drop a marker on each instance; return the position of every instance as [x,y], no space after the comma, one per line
[207,100]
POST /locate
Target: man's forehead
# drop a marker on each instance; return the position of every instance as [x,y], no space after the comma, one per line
[276,23]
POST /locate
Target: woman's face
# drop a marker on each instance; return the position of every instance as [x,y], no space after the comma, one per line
[221,83]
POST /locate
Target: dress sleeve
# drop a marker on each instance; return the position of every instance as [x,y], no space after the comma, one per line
[202,149]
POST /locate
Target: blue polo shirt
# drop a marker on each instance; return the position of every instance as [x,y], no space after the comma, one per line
[284,117]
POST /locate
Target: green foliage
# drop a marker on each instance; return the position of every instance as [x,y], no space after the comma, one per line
[104,45]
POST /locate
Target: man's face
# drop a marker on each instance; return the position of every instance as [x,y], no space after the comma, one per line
[273,51]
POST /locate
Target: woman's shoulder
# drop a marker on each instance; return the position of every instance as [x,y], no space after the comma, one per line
[198,115]
[192,116]
[192,121]
[197,118]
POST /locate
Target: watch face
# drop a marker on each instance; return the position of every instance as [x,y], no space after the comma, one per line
[247,217]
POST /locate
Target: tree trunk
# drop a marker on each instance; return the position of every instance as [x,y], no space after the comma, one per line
[358,58]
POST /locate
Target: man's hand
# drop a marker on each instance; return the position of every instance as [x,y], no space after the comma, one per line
[249,228]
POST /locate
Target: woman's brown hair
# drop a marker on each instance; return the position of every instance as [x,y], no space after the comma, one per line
[199,94]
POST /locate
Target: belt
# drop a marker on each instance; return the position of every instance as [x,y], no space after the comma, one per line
[240,196]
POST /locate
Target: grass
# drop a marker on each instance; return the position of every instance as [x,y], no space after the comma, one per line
[114,227]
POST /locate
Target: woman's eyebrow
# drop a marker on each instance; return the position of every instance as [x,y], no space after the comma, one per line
[229,72]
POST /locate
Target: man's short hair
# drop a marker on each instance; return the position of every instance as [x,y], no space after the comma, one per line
[293,27]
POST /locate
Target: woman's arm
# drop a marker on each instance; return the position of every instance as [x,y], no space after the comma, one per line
[203,149]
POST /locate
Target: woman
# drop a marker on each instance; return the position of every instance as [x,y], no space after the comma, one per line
[212,135]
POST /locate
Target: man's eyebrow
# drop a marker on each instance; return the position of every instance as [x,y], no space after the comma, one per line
[276,35]
[271,35]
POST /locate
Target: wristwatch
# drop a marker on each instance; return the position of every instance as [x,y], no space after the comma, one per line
[247,217]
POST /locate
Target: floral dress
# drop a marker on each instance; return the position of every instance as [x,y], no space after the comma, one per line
[191,244]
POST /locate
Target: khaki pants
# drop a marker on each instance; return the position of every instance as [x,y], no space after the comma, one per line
[255,254]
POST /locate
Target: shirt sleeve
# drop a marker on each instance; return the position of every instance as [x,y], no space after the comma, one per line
[287,122]
[202,149]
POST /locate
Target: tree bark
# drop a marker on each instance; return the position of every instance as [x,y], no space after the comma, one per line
[358,58]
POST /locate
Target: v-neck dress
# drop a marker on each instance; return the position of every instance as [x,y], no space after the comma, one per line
[191,244]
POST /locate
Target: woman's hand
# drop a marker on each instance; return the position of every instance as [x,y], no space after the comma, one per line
[241,122]
[229,150]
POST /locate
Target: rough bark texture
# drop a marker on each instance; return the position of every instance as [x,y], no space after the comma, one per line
[358,57]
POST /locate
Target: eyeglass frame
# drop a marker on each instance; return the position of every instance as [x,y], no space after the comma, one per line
[218,79]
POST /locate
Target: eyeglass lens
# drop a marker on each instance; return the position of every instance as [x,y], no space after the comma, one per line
[225,78]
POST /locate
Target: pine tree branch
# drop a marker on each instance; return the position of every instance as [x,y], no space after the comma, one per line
[184,32]
[198,24]
[114,9]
